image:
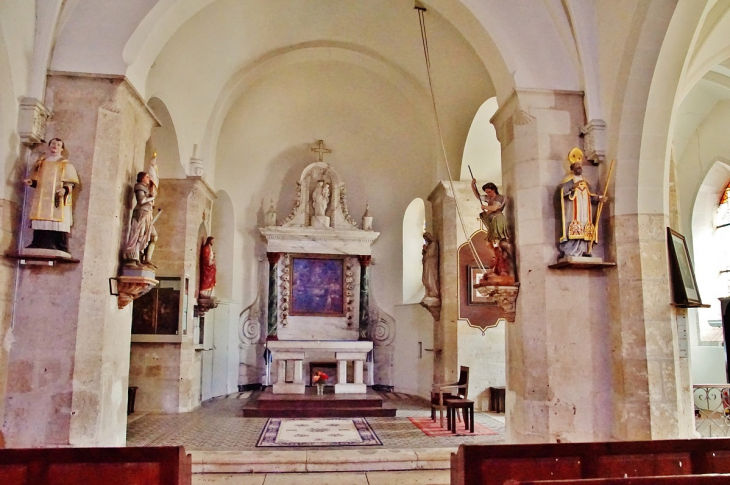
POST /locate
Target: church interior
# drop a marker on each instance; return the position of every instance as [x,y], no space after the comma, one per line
[232,206]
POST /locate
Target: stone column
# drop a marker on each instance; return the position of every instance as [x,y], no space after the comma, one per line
[445,331]
[652,392]
[168,374]
[70,359]
[558,356]
[358,371]
[273,296]
[364,296]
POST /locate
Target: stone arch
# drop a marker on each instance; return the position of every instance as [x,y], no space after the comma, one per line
[482,150]
[248,76]
[414,224]
[223,222]
[707,245]
[165,141]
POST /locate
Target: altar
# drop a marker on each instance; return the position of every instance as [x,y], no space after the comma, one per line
[292,352]
[318,303]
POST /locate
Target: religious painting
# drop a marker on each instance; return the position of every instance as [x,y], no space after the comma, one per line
[475,281]
[317,287]
[158,311]
[683,276]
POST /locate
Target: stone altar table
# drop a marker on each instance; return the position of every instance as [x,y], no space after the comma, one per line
[292,352]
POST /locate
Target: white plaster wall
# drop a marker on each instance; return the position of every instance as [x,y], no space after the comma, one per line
[484,354]
[379,150]
[229,38]
[413,374]
[413,222]
[482,151]
[17,27]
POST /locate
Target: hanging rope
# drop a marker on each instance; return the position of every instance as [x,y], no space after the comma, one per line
[424,39]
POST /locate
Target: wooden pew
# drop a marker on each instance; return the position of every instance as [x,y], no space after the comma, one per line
[495,464]
[119,466]
[712,479]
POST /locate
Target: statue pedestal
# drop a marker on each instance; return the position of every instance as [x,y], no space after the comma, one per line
[320,222]
[580,262]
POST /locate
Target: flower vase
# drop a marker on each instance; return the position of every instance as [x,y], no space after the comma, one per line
[320,388]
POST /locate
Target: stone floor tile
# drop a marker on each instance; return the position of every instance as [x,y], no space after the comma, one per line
[316,479]
[229,479]
[416,477]
[218,425]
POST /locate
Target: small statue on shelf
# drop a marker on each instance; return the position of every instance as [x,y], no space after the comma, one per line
[53,177]
[207,269]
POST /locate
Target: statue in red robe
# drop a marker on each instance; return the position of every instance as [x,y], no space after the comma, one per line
[207,269]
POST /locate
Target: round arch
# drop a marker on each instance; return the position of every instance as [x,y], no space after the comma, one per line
[223,222]
[414,225]
[165,141]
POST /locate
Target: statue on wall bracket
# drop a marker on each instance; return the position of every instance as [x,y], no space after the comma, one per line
[54,178]
[488,284]
[208,271]
[138,273]
[579,224]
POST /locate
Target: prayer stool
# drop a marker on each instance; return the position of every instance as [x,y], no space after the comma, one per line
[496,399]
[467,405]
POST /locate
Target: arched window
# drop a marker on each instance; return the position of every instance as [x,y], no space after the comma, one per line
[414,223]
[723,236]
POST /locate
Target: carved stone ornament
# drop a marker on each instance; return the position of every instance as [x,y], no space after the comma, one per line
[505,296]
[382,326]
[205,304]
[32,120]
[132,287]
[594,141]
[316,225]
[249,324]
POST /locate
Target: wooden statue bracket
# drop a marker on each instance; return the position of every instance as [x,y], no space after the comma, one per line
[578,262]
[690,305]
[33,260]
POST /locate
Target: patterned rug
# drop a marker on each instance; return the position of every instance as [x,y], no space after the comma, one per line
[432,428]
[318,432]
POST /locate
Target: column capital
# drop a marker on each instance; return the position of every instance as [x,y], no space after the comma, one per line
[273,257]
[364,260]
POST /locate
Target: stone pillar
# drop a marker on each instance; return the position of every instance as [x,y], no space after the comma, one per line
[273,296]
[445,330]
[364,297]
[652,392]
[358,371]
[168,374]
[298,372]
[69,362]
[558,356]
[341,372]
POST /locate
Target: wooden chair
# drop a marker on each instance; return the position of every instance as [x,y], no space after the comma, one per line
[441,392]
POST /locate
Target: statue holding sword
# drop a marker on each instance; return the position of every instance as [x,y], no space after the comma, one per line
[142,236]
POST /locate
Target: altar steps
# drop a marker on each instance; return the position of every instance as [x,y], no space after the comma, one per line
[266,404]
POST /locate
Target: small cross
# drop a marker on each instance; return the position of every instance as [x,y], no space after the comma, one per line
[321,149]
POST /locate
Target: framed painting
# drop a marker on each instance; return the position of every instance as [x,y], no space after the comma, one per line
[475,277]
[317,287]
[684,282]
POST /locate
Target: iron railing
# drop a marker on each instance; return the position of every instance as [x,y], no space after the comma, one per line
[712,409]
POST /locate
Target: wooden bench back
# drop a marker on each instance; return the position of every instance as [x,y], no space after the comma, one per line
[495,464]
[67,466]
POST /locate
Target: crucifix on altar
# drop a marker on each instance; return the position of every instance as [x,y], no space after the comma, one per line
[321,150]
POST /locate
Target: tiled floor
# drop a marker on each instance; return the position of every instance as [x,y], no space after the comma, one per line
[218,426]
[417,477]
